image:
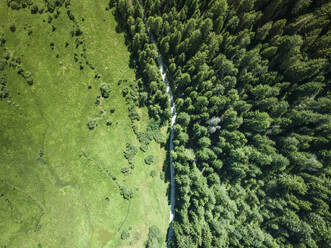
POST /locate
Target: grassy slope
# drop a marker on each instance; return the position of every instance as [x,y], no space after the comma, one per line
[60,201]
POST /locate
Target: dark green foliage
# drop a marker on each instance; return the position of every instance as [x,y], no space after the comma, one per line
[53,4]
[91,123]
[154,239]
[133,114]
[109,122]
[125,235]
[12,28]
[2,65]
[4,93]
[130,151]
[105,90]
[153,173]
[125,170]
[152,132]
[34,9]
[126,192]
[17,4]
[251,144]
[149,159]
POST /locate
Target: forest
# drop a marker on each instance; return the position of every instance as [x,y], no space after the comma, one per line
[252,145]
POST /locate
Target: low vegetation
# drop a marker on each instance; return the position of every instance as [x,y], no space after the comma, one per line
[64,181]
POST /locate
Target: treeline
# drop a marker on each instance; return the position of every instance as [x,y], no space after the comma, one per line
[251,80]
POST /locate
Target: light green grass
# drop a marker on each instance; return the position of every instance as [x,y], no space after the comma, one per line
[59,201]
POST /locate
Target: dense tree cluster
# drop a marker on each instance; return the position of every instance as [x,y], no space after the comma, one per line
[251,80]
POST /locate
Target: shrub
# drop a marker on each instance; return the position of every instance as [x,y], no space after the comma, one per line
[34,9]
[112,110]
[12,28]
[2,65]
[154,239]
[3,88]
[125,170]
[97,101]
[149,159]
[78,32]
[28,77]
[105,90]
[126,193]
[109,122]
[125,235]
[133,114]
[153,173]
[143,98]
[159,137]
[14,5]
[125,91]
[130,151]
[91,123]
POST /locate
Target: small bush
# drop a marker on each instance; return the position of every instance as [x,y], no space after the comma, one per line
[130,151]
[125,235]
[91,123]
[125,170]
[154,238]
[49,19]
[125,91]
[126,193]
[149,159]
[70,15]
[109,123]
[159,137]
[105,90]
[12,28]
[28,77]
[97,101]
[34,9]
[3,88]
[153,173]
[2,65]
[78,32]
[14,5]
[133,114]
[112,110]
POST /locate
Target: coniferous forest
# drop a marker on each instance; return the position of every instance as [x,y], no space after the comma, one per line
[252,145]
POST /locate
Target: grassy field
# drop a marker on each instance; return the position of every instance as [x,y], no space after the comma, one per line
[59,181]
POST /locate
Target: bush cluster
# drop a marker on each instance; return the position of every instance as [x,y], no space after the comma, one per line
[126,193]
[130,151]
[149,159]
[105,90]
[125,235]
[154,237]
[91,123]
[4,93]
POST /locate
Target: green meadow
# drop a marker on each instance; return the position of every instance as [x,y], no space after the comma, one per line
[60,182]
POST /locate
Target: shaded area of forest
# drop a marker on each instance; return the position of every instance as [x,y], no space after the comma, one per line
[251,81]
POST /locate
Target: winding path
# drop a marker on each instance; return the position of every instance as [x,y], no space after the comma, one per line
[173,121]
